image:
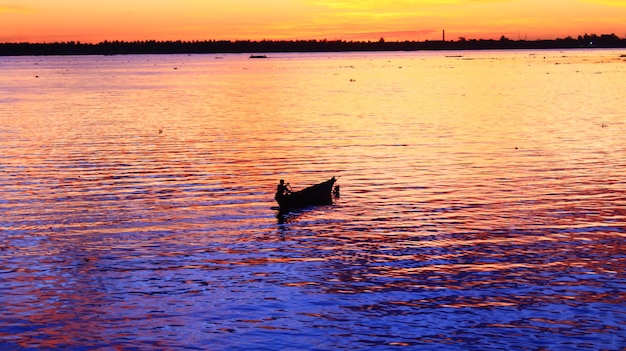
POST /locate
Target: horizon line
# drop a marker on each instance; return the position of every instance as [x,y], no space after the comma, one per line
[459,39]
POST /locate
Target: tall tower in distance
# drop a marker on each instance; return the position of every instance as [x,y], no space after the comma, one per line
[443,35]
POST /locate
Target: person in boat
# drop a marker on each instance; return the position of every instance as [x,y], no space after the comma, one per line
[283,189]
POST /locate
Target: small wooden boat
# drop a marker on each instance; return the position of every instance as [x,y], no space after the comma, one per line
[318,194]
[258,56]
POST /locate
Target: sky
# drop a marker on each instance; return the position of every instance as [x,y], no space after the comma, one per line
[130,20]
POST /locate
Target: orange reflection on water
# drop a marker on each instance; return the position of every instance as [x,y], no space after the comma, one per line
[142,202]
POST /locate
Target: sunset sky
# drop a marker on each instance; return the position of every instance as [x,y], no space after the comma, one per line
[95,21]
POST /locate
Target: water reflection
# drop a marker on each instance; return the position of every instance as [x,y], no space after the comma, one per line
[137,212]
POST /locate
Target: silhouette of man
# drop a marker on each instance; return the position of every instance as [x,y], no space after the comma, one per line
[282,189]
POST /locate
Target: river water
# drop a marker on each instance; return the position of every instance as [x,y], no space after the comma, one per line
[482,207]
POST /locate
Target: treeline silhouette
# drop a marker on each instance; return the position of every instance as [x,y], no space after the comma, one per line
[269,46]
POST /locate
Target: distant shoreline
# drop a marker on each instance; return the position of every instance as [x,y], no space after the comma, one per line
[278,46]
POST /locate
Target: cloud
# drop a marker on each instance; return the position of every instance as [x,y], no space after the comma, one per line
[10,8]
[384,4]
[390,35]
[620,3]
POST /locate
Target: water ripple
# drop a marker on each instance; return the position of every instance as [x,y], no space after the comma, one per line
[136,203]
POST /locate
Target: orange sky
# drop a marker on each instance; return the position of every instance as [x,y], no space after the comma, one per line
[94,21]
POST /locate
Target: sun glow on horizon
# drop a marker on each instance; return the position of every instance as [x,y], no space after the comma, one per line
[66,20]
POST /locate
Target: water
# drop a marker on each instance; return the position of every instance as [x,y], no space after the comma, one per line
[482,202]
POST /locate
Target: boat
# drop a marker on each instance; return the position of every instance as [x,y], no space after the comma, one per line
[258,56]
[318,194]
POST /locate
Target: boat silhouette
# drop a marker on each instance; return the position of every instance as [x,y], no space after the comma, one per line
[314,195]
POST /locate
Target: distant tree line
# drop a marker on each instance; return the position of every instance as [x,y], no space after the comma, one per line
[269,46]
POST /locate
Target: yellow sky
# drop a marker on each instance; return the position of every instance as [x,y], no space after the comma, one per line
[94,21]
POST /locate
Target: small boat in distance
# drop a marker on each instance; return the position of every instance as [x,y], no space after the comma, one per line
[318,194]
[257,56]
